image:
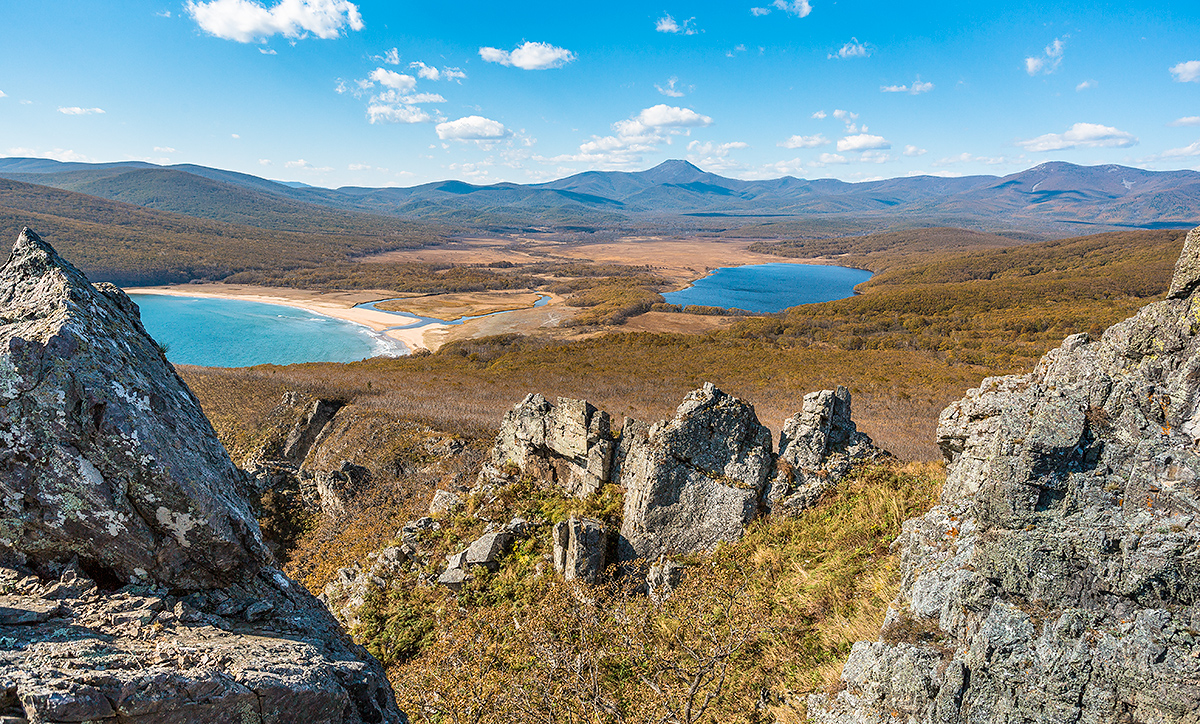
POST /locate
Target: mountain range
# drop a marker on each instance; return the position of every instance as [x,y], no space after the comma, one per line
[1057,197]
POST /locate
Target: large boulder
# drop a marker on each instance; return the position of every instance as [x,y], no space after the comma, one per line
[1058,579]
[694,481]
[818,446]
[568,445]
[118,503]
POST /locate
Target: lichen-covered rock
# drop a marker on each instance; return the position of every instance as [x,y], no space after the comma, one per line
[694,481]
[143,589]
[568,445]
[106,454]
[348,591]
[817,448]
[1058,580]
[338,488]
[580,549]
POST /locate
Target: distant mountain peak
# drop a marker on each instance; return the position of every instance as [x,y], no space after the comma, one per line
[675,171]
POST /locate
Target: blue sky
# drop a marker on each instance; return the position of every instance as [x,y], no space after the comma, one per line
[332,92]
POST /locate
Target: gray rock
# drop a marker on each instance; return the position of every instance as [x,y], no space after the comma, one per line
[580,549]
[338,488]
[306,431]
[444,501]
[488,549]
[348,591]
[662,578]
[1057,581]
[107,456]
[817,448]
[694,481]
[108,465]
[568,445]
[1187,268]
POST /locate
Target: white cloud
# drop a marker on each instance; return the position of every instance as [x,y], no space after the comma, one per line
[841,115]
[1085,85]
[247,21]
[234,135]
[306,166]
[720,150]
[530,56]
[820,114]
[163,149]
[471,128]
[1186,121]
[875,157]
[392,57]
[359,167]
[853,49]
[1080,135]
[393,80]
[915,89]
[3,94]
[913,151]
[57,154]
[826,159]
[1187,72]
[163,14]
[667,24]
[799,8]
[1192,149]
[391,113]
[267,51]
[1048,61]
[77,111]
[264,162]
[759,12]
[862,142]
[804,141]
[739,48]
[429,72]
[662,115]
[670,89]
[969,158]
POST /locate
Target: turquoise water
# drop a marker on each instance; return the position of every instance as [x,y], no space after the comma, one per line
[766,288]
[236,333]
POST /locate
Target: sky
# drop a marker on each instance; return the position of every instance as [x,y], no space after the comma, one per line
[339,93]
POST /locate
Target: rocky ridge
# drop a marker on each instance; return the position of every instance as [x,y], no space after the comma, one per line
[1058,579]
[134,582]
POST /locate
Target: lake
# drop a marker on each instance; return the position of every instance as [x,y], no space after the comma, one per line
[235,333]
[767,288]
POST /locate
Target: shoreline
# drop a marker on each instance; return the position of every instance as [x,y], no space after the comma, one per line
[325,304]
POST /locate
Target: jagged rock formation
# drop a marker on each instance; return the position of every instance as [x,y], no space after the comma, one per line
[580,548]
[569,445]
[694,481]
[1058,579]
[111,475]
[817,448]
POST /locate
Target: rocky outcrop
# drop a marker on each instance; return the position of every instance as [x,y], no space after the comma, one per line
[1058,579]
[308,428]
[817,448]
[568,445]
[338,488]
[580,548]
[694,481]
[141,583]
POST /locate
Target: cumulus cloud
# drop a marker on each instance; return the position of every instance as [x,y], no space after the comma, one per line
[77,111]
[530,56]
[1186,72]
[306,166]
[267,51]
[396,113]
[853,49]
[1192,149]
[799,8]
[392,57]
[826,159]
[1080,135]
[914,151]
[429,72]
[916,88]
[820,114]
[708,148]
[65,155]
[471,128]
[163,149]
[862,142]
[633,137]
[1086,85]
[392,79]
[667,24]
[670,89]
[1186,121]
[247,21]
[1048,61]
[759,12]
[804,141]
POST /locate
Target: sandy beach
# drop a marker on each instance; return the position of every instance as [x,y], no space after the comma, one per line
[339,305]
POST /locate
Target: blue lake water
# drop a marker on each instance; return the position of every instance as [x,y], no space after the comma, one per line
[236,333]
[766,288]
